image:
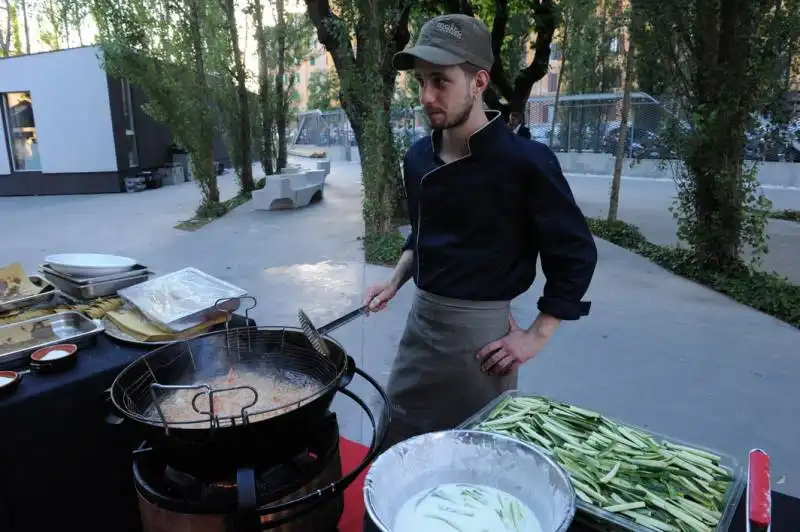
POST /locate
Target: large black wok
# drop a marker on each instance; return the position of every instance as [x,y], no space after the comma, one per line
[218,443]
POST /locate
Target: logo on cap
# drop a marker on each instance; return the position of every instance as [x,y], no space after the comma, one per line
[450,29]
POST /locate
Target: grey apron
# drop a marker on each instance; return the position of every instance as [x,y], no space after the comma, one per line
[436,382]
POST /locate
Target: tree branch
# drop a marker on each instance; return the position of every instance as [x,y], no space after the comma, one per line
[498,73]
[545,16]
[332,33]
[398,39]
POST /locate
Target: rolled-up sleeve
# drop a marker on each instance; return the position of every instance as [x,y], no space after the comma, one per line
[566,246]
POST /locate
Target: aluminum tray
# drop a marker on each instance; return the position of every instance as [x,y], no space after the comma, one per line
[47,294]
[608,520]
[64,327]
[136,271]
[183,299]
[89,291]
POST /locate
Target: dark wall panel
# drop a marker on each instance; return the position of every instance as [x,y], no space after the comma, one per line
[38,184]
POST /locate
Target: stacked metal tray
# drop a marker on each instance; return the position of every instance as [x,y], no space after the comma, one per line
[46,294]
[18,340]
[85,288]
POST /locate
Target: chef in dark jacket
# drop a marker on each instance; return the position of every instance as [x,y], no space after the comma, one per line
[484,204]
[515,124]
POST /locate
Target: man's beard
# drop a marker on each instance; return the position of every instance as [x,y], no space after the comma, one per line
[461,117]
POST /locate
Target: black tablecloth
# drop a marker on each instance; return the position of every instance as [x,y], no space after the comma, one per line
[61,465]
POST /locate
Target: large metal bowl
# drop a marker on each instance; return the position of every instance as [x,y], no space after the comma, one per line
[473,457]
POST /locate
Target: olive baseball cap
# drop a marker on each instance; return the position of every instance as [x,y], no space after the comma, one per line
[449,40]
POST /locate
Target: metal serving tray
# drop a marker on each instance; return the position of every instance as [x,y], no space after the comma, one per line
[601,519]
[64,327]
[94,290]
[183,299]
[47,294]
[136,271]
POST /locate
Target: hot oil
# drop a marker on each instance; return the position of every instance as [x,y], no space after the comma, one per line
[276,391]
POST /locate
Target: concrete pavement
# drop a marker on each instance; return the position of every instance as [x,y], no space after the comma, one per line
[657,350]
[645,202]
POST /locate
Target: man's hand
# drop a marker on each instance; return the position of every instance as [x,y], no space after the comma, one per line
[379,295]
[503,356]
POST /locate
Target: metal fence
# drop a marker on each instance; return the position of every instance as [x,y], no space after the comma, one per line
[591,123]
[584,123]
[331,130]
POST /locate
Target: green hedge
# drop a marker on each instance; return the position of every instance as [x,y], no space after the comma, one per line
[786,214]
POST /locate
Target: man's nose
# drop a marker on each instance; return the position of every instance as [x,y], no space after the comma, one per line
[426,95]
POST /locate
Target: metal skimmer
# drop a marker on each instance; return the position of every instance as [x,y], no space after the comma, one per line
[315,336]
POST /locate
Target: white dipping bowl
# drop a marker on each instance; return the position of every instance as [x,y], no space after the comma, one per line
[469,457]
[89,264]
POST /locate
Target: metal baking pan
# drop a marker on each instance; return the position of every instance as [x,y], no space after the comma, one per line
[182,299]
[19,340]
[47,294]
[95,290]
[136,271]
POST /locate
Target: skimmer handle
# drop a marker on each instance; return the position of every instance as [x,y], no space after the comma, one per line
[338,322]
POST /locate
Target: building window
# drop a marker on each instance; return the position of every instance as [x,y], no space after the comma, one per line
[21,132]
[312,61]
[130,130]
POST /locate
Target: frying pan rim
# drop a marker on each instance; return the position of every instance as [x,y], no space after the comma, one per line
[341,370]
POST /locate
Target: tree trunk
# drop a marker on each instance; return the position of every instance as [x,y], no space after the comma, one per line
[266,154]
[716,163]
[619,159]
[27,28]
[558,81]
[5,40]
[380,169]
[244,147]
[203,152]
[280,95]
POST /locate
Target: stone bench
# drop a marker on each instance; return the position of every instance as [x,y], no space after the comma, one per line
[290,189]
[324,166]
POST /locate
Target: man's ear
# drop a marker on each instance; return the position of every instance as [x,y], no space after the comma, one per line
[482,80]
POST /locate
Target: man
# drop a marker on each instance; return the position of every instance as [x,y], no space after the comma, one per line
[484,204]
[515,124]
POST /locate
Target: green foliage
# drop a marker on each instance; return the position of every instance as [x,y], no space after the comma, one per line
[384,248]
[207,213]
[513,24]
[323,90]
[722,77]
[591,64]
[362,36]
[786,214]
[278,109]
[228,88]
[161,47]
[52,17]
[768,293]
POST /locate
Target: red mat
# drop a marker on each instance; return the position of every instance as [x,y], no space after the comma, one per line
[353,517]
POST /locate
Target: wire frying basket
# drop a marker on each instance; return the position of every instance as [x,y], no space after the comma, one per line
[208,370]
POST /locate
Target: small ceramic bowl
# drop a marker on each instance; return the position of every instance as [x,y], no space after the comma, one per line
[9,380]
[55,358]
